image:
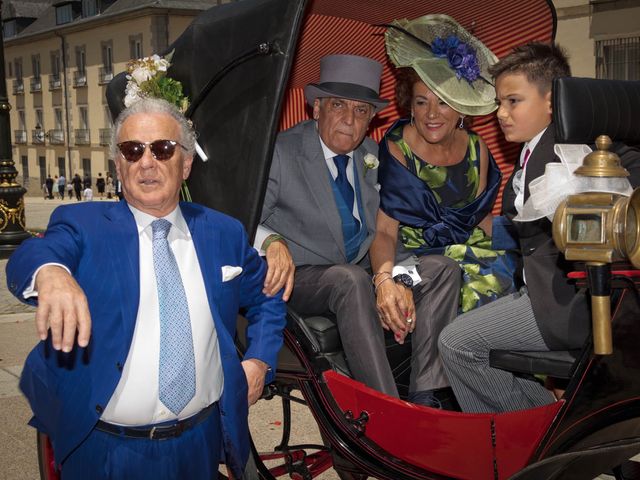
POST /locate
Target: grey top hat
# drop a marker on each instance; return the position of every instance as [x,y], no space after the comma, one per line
[348,76]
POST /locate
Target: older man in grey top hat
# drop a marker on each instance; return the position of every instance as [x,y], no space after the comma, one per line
[320,209]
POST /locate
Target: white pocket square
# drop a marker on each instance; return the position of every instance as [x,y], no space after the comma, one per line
[229,272]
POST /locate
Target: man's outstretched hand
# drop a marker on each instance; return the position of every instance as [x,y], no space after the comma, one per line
[62,307]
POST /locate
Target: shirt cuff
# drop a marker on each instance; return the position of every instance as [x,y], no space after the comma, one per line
[409,267]
[261,235]
[30,291]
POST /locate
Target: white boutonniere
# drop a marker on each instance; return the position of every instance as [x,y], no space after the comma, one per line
[371,162]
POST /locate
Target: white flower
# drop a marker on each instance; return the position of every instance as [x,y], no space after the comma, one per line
[371,161]
[143,79]
[141,75]
[160,63]
[132,93]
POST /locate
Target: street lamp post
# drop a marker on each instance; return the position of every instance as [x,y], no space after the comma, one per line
[12,219]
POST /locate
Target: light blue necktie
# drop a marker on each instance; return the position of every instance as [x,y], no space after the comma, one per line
[177,376]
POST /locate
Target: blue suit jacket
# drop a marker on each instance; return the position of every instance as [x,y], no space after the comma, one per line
[98,242]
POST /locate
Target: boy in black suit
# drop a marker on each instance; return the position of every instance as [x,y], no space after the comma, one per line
[546,313]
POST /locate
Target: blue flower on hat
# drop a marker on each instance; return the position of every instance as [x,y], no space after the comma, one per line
[461,56]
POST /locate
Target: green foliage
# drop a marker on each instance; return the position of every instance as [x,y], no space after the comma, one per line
[166,88]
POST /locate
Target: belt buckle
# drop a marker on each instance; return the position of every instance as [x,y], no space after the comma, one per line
[151,432]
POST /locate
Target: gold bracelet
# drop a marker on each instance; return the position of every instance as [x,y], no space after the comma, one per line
[274,237]
[373,279]
[375,290]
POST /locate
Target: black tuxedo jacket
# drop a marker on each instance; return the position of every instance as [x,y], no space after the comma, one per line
[562,312]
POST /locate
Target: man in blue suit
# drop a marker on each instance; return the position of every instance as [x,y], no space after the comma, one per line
[137,375]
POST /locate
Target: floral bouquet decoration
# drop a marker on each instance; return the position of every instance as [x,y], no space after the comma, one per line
[147,77]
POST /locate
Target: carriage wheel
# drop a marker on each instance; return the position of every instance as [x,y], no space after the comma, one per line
[282,449]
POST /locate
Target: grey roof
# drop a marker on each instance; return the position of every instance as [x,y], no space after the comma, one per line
[46,19]
[125,5]
[24,8]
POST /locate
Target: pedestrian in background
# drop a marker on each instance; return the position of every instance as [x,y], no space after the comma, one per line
[100,184]
[49,184]
[61,184]
[77,186]
[110,188]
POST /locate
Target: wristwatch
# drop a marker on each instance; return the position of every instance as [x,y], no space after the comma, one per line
[404,279]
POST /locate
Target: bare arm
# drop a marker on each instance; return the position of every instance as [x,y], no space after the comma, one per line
[394,302]
[487,222]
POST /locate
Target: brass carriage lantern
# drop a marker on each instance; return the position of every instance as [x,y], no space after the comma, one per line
[600,228]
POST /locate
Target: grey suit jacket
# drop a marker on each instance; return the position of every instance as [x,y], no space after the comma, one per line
[299,203]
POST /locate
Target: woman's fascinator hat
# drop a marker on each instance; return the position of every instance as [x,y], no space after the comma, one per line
[448,59]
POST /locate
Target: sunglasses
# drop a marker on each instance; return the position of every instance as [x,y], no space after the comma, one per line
[162,150]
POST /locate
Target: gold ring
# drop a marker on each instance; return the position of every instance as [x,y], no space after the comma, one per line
[409,320]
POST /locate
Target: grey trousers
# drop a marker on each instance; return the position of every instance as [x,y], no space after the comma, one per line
[347,291]
[506,324]
[436,299]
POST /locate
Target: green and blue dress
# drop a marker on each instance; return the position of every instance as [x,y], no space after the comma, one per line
[438,209]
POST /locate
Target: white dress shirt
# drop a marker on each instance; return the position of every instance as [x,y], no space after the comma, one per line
[331,165]
[135,400]
[519,179]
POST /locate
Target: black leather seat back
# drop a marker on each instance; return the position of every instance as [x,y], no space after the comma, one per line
[559,364]
[321,335]
[584,108]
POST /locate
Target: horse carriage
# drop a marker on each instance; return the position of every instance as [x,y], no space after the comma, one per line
[244,66]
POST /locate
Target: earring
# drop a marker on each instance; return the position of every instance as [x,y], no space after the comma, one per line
[411,123]
[461,124]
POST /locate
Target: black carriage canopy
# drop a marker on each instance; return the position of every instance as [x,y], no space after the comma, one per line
[244,66]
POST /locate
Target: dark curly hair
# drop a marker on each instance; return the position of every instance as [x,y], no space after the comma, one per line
[539,62]
[406,78]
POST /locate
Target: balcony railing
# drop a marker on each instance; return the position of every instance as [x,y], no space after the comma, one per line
[56,137]
[54,82]
[37,136]
[82,136]
[20,136]
[35,85]
[105,75]
[105,136]
[80,78]
[18,86]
